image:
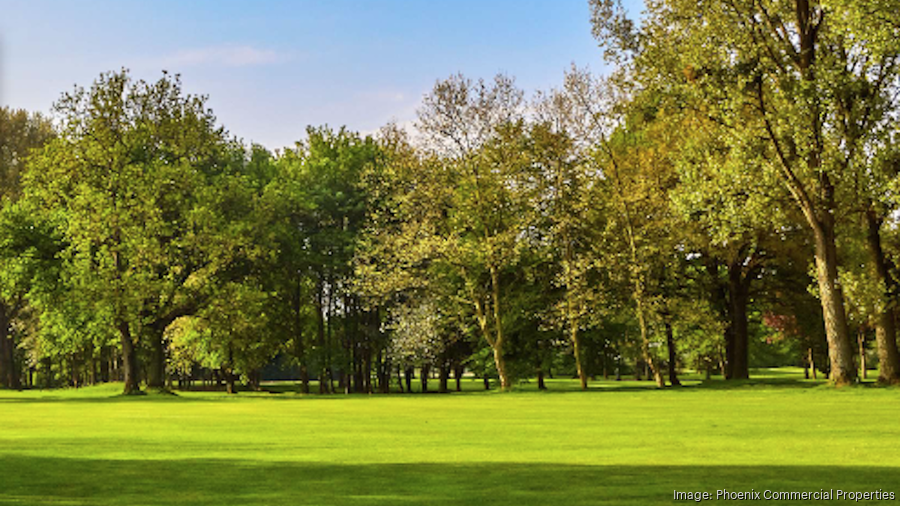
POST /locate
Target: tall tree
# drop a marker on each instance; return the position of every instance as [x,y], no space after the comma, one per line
[20,134]
[778,70]
[131,173]
[474,127]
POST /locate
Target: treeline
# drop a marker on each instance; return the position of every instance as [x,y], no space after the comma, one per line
[726,198]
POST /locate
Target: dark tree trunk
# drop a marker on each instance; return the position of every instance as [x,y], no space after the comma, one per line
[229,372]
[344,382]
[540,378]
[156,369]
[255,380]
[367,370]
[229,382]
[458,371]
[47,369]
[104,364]
[304,378]
[885,327]
[738,290]
[94,368]
[384,374]
[673,356]
[400,380]
[408,377]
[129,360]
[444,378]
[323,381]
[487,382]
[720,299]
[426,369]
[8,376]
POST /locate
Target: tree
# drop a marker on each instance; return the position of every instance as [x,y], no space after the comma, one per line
[474,128]
[20,134]
[812,79]
[132,174]
[569,208]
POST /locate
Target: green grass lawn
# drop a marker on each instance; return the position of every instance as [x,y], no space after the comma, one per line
[619,443]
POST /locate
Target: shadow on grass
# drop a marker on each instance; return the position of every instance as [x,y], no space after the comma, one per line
[32,480]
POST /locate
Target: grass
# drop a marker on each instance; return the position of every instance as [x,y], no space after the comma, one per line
[619,443]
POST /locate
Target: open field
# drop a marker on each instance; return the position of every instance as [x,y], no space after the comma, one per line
[619,443]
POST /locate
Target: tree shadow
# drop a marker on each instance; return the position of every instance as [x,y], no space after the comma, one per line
[40,480]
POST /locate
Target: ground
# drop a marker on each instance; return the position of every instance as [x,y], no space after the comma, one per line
[619,443]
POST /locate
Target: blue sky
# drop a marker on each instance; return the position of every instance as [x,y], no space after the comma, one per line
[272,67]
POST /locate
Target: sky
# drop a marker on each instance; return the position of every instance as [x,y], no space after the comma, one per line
[271,67]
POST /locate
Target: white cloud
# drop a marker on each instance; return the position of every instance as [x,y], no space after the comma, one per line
[227,56]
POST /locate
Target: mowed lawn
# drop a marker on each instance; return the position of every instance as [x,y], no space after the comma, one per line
[619,443]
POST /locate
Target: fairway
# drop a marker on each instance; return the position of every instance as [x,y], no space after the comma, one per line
[619,443]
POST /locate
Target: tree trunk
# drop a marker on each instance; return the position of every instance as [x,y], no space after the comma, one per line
[156,369]
[727,365]
[861,338]
[812,364]
[645,342]
[540,378]
[384,377]
[129,360]
[104,364]
[458,371]
[229,382]
[304,378]
[424,373]
[408,377]
[843,370]
[499,359]
[821,216]
[444,378]
[673,356]
[738,287]
[324,375]
[255,379]
[367,370]
[885,327]
[579,361]
[8,376]
[344,382]
[720,300]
